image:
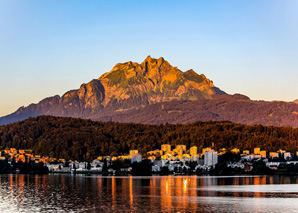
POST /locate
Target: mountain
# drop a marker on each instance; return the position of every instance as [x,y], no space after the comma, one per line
[235,108]
[127,86]
[155,92]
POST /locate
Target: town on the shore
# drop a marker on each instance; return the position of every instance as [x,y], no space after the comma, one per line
[175,160]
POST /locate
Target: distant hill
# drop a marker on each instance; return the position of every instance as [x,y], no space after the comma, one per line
[235,108]
[73,138]
[155,92]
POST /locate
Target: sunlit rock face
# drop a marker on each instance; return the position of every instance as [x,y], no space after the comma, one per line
[127,86]
[130,84]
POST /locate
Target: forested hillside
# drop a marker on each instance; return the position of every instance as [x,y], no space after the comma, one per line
[73,138]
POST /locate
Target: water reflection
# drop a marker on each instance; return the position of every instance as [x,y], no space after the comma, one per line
[64,193]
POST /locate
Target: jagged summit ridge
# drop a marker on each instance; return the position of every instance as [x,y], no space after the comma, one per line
[128,85]
[156,79]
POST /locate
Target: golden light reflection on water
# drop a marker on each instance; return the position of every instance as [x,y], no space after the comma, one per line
[130,191]
[168,193]
[113,192]
[21,187]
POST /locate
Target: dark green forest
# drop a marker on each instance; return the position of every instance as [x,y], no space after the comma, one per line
[73,138]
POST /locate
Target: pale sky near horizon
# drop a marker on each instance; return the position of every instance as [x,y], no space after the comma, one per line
[50,47]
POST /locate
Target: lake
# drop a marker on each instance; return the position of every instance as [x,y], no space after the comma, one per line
[66,193]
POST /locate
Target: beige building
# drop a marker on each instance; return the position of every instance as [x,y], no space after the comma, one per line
[133,152]
[263,154]
[273,154]
[257,151]
[193,150]
[281,151]
[287,155]
[235,150]
[246,152]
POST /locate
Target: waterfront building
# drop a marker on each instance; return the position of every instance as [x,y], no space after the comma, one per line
[273,154]
[183,147]
[136,158]
[246,152]
[287,156]
[257,151]
[205,149]
[21,158]
[155,168]
[249,157]
[195,158]
[131,152]
[263,153]
[13,151]
[152,158]
[235,151]
[125,157]
[21,151]
[210,158]
[82,165]
[193,150]
[54,167]
[281,151]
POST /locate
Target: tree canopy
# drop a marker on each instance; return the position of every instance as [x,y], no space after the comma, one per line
[73,138]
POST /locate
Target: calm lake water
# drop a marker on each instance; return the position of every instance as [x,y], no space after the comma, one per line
[66,193]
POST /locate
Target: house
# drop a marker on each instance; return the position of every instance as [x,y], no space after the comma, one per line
[136,158]
[287,156]
[246,152]
[273,154]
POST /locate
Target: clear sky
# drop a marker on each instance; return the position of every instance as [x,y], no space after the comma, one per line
[48,47]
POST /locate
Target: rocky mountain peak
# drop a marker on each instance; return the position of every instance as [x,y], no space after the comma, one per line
[128,85]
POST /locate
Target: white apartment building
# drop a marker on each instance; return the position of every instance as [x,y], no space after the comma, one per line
[210,158]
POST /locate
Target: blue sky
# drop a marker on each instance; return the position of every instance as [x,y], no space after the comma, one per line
[49,47]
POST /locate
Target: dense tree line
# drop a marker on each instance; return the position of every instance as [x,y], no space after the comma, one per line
[25,168]
[73,138]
